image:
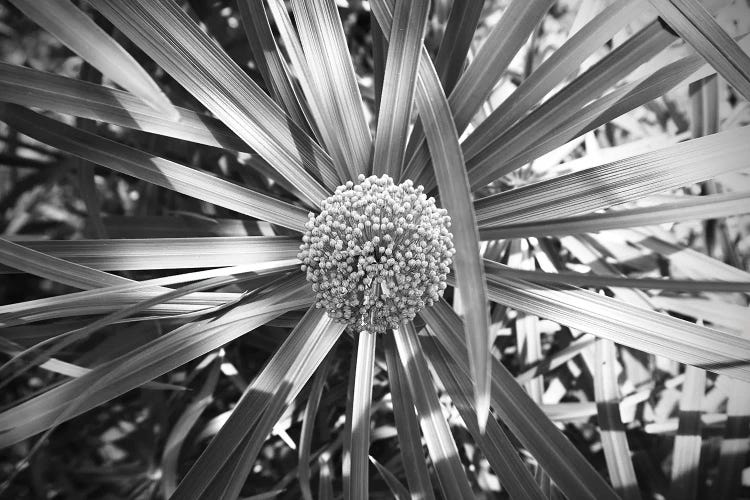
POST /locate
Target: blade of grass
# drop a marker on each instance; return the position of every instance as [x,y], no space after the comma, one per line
[612,430]
[291,366]
[442,140]
[440,444]
[166,33]
[621,181]
[176,439]
[82,35]
[308,426]
[682,209]
[145,363]
[495,444]
[229,480]
[407,426]
[562,461]
[360,413]
[398,489]
[169,253]
[407,35]
[334,85]
[698,27]
[506,38]
[155,170]
[325,482]
[687,444]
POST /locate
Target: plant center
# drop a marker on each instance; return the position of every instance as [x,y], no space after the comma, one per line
[377,253]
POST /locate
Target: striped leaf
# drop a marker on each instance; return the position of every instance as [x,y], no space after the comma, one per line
[83,36]
[162,30]
[155,170]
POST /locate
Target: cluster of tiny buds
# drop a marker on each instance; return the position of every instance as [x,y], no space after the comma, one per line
[377,253]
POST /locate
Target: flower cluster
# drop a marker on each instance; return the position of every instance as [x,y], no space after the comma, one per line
[377,253]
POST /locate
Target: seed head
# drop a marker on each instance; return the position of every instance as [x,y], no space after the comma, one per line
[377,253]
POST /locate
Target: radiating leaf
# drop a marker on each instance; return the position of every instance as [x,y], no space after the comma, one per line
[618,182]
[494,443]
[495,269]
[308,426]
[148,362]
[402,61]
[682,209]
[34,88]
[560,459]
[82,35]
[698,27]
[153,169]
[166,33]
[333,83]
[437,435]
[448,160]
[628,325]
[407,425]
[169,253]
[360,414]
[564,62]
[270,62]
[290,368]
[510,33]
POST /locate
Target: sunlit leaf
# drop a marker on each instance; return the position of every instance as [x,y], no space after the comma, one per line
[159,171]
[79,32]
[177,44]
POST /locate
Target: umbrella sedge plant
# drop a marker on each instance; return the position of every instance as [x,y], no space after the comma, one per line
[395,244]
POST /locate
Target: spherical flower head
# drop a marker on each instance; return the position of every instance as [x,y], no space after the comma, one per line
[377,253]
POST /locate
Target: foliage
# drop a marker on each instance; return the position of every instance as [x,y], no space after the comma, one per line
[159,163]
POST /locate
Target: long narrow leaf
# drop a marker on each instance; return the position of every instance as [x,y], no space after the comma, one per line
[560,459]
[442,139]
[687,445]
[169,253]
[344,128]
[402,61]
[82,35]
[360,414]
[147,362]
[620,181]
[689,208]
[407,426]
[291,366]
[177,44]
[270,63]
[614,439]
[437,435]
[153,169]
[506,38]
[628,325]
[495,444]
[698,27]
